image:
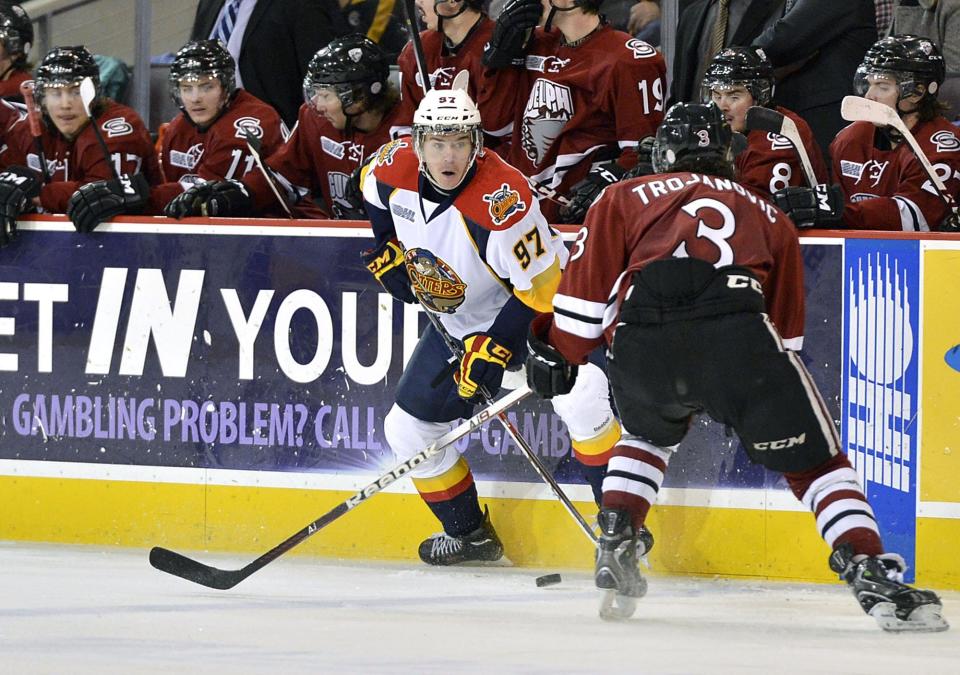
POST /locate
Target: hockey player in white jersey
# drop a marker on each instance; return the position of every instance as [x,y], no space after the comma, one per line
[462,230]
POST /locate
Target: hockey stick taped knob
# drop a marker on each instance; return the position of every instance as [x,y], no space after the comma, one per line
[548,580]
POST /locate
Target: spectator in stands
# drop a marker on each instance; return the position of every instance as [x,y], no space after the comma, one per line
[707,26]
[379,21]
[644,21]
[456,33]
[883,11]
[815,48]
[16,39]
[207,141]
[589,95]
[884,186]
[938,20]
[271,42]
[349,113]
[45,173]
[737,79]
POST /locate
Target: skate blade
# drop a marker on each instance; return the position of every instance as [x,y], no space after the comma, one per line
[923,619]
[614,607]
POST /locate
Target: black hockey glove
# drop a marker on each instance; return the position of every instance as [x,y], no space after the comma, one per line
[511,36]
[350,207]
[387,266]
[101,200]
[482,366]
[584,193]
[820,206]
[644,165]
[548,373]
[951,223]
[213,198]
[18,186]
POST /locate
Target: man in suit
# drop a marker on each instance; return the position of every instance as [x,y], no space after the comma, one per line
[816,48]
[272,41]
[746,19]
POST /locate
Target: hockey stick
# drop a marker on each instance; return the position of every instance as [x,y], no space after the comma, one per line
[767,119]
[33,119]
[253,145]
[457,351]
[410,9]
[180,565]
[88,92]
[858,109]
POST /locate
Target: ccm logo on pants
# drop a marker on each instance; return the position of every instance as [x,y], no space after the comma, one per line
[781,444]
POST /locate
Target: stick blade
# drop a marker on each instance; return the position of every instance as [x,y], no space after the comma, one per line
[764,119]
[181,566]
[859,109]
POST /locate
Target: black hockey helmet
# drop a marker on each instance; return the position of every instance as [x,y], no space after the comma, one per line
[694,133]
[16,32]
[748,67]
[353,66]
[202,58]
[65,67]
[909,60]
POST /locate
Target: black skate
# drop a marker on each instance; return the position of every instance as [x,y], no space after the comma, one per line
[877,583]
[481,545]
[618,572]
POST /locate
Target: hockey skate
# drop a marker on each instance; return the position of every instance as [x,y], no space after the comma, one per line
[877,583]
[617,572]
[481,545]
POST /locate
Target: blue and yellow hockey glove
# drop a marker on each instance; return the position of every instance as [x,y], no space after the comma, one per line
[482,365]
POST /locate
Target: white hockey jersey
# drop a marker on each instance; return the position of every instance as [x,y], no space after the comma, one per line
[468,255]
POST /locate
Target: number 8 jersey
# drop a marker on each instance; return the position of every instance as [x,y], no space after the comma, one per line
[468,255]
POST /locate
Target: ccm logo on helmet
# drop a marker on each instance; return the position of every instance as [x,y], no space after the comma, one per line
[782,444]
[117,126]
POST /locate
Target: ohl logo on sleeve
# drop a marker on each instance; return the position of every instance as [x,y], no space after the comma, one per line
[504,203]
[437,286]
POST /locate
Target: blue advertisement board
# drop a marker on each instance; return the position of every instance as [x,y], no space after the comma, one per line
[240,348]
[880,429]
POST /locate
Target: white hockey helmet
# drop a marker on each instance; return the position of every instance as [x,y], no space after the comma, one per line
[447,112]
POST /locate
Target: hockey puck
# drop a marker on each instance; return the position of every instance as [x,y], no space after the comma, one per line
[548,580]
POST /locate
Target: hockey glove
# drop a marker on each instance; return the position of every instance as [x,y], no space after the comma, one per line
[350,206]
[387,266]
[213,198]
[18,186]
[951,223]
[482,365]
[511,36]
[820,206]
[584,193]
[644,165]
[101,200]
[548,373]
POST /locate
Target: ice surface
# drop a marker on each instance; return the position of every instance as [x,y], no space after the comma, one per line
[90,610]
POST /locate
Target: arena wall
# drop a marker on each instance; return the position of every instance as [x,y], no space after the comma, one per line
[133,414]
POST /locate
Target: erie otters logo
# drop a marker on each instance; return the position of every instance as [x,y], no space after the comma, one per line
[437,286]
[504,203]
[387,151]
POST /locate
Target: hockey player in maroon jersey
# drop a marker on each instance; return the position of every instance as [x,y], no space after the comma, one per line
[463,228]
[695,283]
[350,111]
[207,141]
[884,185]
[457,31]
[16,38]
[737,79]
[74,156]
[590,94]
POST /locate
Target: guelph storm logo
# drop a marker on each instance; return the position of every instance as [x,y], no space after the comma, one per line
[438,287]
[548,109]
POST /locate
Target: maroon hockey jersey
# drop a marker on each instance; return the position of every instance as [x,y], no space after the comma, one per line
[770,162]
[319,157]
[888,189]
[189,156]
[582,103]
[674,215]
[80,161]
[492,92]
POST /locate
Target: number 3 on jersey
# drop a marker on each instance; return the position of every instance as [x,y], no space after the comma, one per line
[717,235]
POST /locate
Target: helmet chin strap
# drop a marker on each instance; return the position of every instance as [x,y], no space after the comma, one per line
[554,9]
[441,17]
